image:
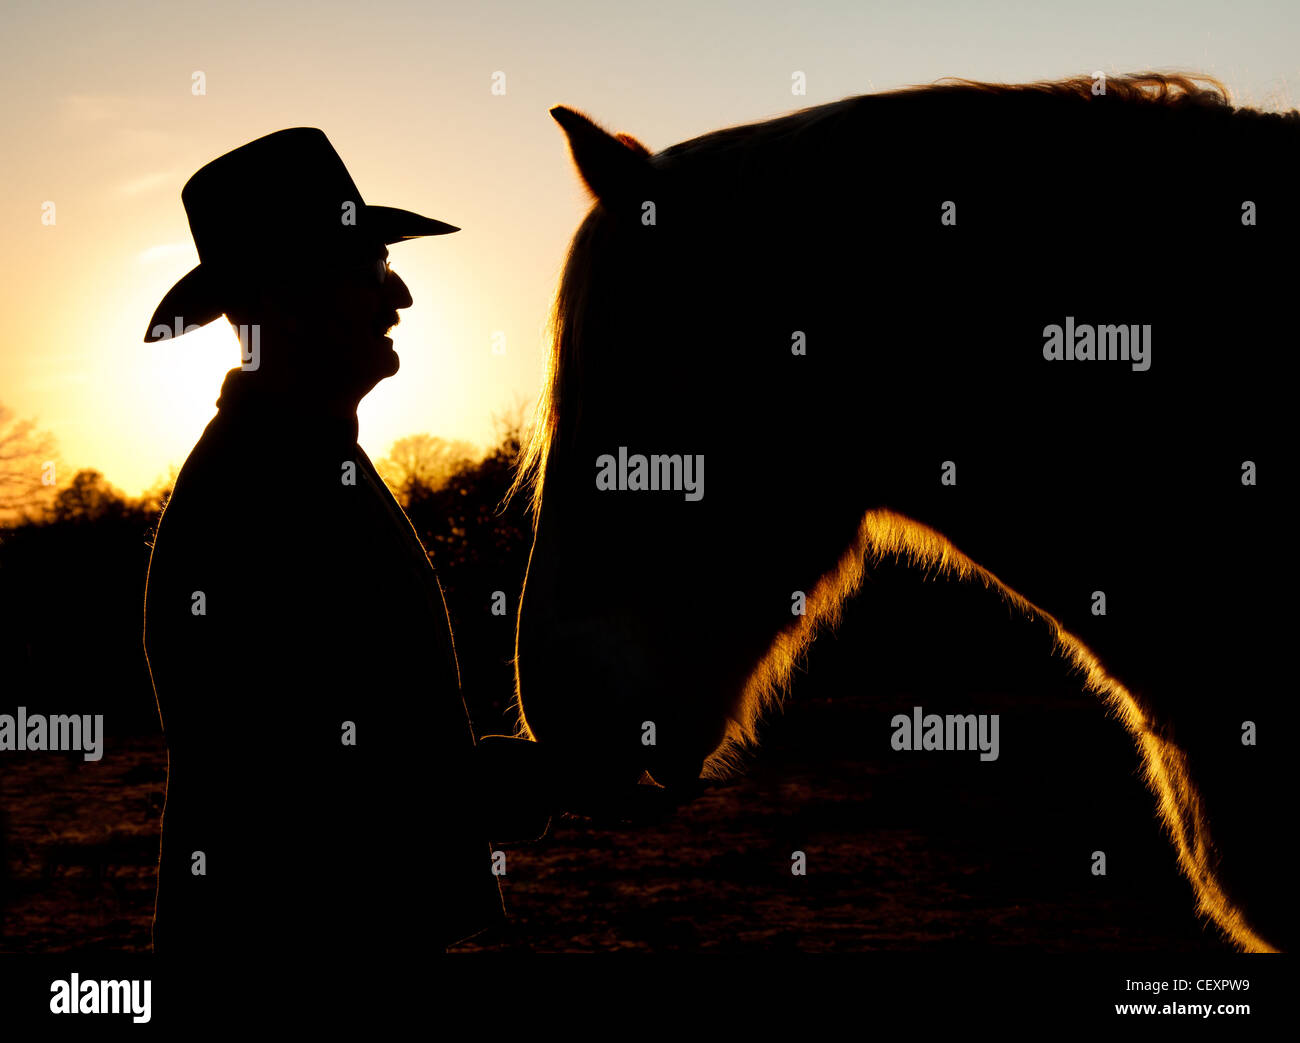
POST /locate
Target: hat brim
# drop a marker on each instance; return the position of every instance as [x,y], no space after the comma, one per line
[395,225]
[195,301]
[189,304]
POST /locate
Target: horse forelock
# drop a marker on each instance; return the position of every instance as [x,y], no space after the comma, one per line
[563,366]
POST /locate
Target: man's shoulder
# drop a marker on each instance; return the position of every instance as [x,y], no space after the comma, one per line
[240,483]
[222,472]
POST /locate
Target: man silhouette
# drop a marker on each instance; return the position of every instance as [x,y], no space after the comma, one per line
[325,792]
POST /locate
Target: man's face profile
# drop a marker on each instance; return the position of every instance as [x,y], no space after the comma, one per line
[363,299]
[330,318]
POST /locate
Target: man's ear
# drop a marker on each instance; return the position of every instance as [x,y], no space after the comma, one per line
[280,303]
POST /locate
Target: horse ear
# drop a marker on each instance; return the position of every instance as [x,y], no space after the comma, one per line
[615,168]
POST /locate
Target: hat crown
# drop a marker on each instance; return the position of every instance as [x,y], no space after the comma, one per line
[290,187]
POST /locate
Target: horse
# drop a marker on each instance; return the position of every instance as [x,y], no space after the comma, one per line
[988,330]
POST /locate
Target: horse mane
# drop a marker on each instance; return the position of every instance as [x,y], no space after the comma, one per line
[883,534]
[559,404]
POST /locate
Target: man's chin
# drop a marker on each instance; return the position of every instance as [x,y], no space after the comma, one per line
[387,362]
[378,369]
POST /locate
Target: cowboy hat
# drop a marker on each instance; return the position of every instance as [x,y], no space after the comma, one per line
[289,187]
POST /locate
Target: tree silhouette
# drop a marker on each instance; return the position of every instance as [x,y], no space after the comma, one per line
[89,498]
[27,459]
[479,545]
[420,464]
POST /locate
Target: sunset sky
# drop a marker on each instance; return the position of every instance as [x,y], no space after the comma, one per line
[99,118]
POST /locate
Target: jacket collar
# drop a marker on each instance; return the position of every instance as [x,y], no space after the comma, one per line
[245,398]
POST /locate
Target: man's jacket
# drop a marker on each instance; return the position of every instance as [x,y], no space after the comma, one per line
[319,793]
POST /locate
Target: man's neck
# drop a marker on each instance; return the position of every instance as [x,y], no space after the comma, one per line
[302,394]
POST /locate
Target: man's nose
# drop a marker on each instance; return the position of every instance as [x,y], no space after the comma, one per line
[398,292]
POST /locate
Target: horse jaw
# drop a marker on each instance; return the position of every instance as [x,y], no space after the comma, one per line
[596,688]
